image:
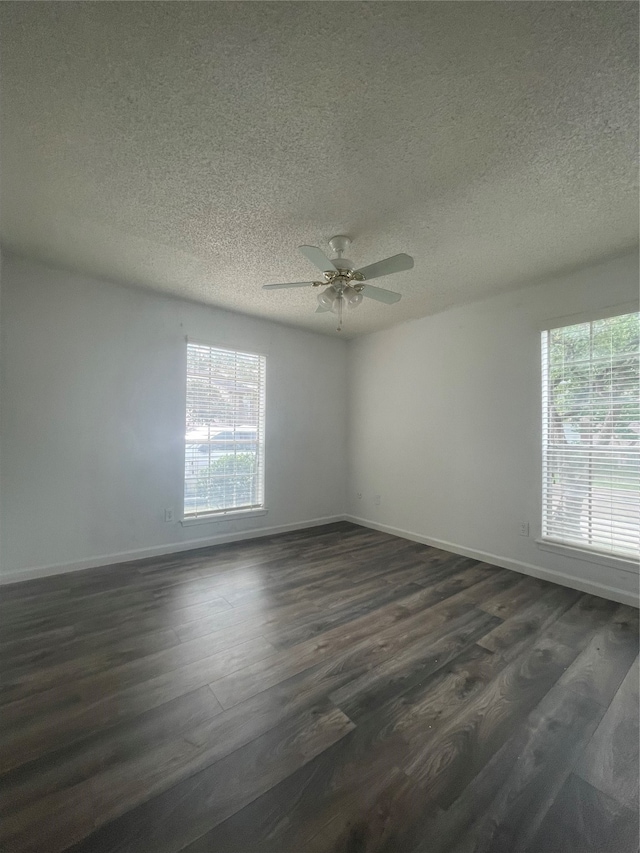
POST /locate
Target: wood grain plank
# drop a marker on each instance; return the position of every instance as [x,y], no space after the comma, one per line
[581,620]
[503,805]
[411,666]
[607,658]
[15,650]
[363,642]
[124,610]
[546,748]
[584,820]
[344,781]
[440,585]
[339,791]
[53,825]
[187,811]
[77,661]
[320,623]
[248,617]
[610,762]
[92,688]
[135,780]
[448,759]
[103,749]
[63,726]
[513,600]
[529,622]
[391,819]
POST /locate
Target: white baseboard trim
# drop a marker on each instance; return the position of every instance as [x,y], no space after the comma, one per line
[561,578]
[160,550]
[602,590]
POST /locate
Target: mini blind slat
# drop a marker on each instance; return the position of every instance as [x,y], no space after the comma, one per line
[591,435]
[225,426]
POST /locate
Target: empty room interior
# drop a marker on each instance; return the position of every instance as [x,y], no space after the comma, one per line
[320,427]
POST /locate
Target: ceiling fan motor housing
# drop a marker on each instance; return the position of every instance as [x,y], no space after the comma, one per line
[339,244]
[342,263]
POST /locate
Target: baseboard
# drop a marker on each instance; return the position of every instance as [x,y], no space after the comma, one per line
[592,587]
[602,590]
[160,550]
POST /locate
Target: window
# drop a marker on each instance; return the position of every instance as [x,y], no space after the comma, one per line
[591,436]
[224,446]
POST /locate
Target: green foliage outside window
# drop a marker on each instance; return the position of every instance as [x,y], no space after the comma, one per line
[229,481]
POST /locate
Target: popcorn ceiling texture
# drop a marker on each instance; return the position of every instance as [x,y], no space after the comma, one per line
[190,147]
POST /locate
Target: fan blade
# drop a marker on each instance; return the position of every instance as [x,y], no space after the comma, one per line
[396,263]
[380,294]
[292,284]
[322,310]
[317,257]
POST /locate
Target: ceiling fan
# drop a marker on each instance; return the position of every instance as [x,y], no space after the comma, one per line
[345,286]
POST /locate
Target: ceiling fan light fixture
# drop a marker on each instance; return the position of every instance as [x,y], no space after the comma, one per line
[354,298]
[337,303]
[327,298]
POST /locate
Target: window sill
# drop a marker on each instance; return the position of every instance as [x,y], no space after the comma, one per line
[622,563]
[232,515]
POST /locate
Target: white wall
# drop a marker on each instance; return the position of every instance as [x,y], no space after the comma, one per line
[443,422]
[93,397]
[445,425]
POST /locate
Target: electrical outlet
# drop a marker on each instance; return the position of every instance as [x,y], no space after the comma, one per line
[524,528]
[168,515]
[359,495]
[376,500]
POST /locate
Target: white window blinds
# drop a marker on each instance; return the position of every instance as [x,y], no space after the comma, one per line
[224,446]
[591,436]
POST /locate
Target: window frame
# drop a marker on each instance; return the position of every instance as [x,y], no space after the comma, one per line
[211,516]
[565,547]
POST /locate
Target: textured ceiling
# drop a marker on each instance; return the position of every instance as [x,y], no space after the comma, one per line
[190,147]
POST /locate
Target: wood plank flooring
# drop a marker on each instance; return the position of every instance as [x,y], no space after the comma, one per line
[333,690]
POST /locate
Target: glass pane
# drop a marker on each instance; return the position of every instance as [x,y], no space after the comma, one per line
[224,444]
[592,435]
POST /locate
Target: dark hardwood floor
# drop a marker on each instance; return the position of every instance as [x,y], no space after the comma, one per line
[330,690]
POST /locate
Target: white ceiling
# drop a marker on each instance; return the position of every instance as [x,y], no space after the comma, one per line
[190,147]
